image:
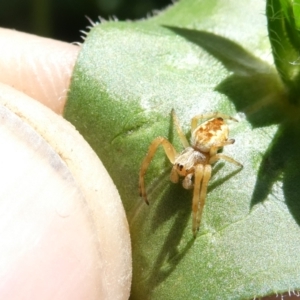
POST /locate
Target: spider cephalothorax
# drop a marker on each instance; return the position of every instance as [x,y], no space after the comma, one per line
[194,162]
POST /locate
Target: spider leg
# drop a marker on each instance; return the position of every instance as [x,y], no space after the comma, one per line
[218,156]
[181,135]
[195,119]
[203,192]
[202,177]
[170,152]
[196,196]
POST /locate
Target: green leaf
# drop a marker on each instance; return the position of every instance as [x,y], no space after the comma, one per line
[196,57]
[283,26]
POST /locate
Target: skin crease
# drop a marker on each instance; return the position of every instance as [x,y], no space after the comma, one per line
[41,68]
[53,249]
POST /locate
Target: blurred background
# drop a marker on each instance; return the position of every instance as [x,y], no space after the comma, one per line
[62,19]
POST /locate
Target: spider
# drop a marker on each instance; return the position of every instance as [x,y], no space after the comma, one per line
[195,162]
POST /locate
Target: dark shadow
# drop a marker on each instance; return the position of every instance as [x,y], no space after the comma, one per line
[255,95]
[175,204]
[222,180]
[281,164]
[254,87]
[234,57]
[175,200]
[180,202]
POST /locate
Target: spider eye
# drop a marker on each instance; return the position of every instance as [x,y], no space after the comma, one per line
[180,167]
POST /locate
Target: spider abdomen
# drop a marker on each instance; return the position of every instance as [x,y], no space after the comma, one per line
[209,134]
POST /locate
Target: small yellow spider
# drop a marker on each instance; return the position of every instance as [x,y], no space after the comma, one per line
[194,162]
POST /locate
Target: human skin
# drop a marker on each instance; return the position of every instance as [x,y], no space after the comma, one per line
[57,241]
